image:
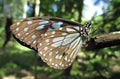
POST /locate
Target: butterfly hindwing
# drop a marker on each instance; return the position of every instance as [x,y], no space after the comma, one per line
[59,47]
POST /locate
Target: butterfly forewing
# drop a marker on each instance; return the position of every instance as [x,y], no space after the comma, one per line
[29,30]
[59,47]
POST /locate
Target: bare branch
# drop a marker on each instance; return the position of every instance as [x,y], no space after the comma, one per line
[103,40]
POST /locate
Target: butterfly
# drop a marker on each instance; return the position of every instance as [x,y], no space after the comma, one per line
[56,40]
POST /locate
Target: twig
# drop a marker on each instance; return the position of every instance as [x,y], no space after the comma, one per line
[103,40]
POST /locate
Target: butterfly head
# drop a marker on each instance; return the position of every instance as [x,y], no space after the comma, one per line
[85,29]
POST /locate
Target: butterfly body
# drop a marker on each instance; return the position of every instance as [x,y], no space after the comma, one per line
[56,40]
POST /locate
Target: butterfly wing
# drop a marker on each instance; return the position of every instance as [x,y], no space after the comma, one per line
[56,40]
[59,47]
[29,31]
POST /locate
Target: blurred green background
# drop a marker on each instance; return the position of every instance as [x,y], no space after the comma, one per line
[18,62]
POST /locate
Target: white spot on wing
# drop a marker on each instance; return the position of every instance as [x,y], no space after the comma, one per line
[60,28]
[49,29]
[68,60]
[33,36]
[69,64]
[29,22]
[34,42]
[69,38]
[57,25]
[41,34]
[56,65]
[81,28]
[40,53]
[57,52]
[43,22]
[45,34]
[56,44]
[47,40]
[57,39]
[64,34]
[57,57]
[50,60]
[40,27]
[70,29]
[65,58]
[44,54]
[45,48]
[53,32]
[77,27]
[40,44]
[60,56]
[17,29]
[25,29]
[50,53]
[67,41]
[46,59]
[18,34]
[26,33]
[52,63]
[60,63]
[18,23]
[52,36]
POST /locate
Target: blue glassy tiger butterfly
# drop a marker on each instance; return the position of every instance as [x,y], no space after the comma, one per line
[56,40]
